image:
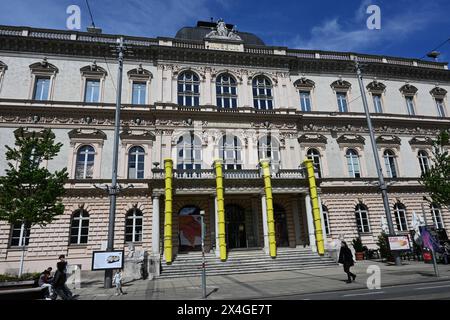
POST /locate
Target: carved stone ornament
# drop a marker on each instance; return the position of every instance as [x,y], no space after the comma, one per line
[312,138]
[43,66]
[438,92]
[421,141]
[87,134]
[93,69]
[350,139]
[408,89]
[341,85]
[376,87]
[388,140]
[304,83]
[223,33]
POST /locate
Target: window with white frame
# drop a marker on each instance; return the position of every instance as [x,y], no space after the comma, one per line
[362,218]
[400,217]
[262,93]
[189,152]
[41,88]
[410,105]
[440,107]
[230,152]
[136,160]
[353,166]
[269,148]
[424,161]
[139,92]
[92,90]
[188,89]
[326,219]
[20,234]
[79,227]
[389,161]
[85,162]
[133,225]
[226,91]
[377,103]
[305,101]
[342,101]
[314,155]
[436,213]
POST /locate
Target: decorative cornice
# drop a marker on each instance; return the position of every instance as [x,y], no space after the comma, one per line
[87,134]
[312,138]
[43,67]
[353,139]
[146,135]
[304,83]
[438,92]
[408,89]
[376,87]
[388,140]
[421,141]
[93,70]
[140,72]
[341,85]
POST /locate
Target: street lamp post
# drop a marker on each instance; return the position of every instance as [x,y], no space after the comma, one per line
[114,188]
[202,219]
[383,187]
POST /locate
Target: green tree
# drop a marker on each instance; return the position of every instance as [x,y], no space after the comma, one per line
[437,179]
[29,193]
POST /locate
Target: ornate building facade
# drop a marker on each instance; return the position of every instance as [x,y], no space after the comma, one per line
[212,92]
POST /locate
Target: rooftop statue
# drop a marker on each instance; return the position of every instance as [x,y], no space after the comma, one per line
[222,32]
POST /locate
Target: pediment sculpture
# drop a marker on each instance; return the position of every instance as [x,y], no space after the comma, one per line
[222,32]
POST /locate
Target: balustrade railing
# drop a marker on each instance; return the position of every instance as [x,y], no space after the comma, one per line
[229,174]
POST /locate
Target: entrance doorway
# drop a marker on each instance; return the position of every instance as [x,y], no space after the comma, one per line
[235,227]
[190,229]
[281,232]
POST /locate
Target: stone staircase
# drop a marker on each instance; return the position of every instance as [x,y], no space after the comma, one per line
[241,262]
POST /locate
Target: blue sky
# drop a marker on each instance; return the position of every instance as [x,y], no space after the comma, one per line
[408,28]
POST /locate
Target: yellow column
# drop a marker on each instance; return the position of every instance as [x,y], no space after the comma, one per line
[269,208]
[315,205]
[220,209]
[168,170]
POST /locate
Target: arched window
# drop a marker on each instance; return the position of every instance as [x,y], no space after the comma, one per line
[437,215]
[188,89]
[136,157]
[314,155]
[85,162]
[269,148]
[262,93]
[400,217]
[389,161]
[133,225]
[189,152]
[79,227]
[326,219]
[226,91]
[353,163]
[362,218]
[230,152]
[20,234]
[423,161]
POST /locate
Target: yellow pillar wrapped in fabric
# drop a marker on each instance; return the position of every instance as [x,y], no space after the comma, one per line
[315,205]
[269,207]
[220,209]
[168,171]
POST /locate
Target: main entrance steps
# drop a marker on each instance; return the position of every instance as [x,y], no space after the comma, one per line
[248,261]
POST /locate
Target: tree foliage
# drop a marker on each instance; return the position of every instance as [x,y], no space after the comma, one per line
[437,179]
[29,192]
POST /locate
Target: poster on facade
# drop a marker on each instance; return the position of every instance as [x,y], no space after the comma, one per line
[102,260]
[190,232]
[399,243]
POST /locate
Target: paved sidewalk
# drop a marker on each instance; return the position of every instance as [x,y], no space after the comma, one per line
[260,285]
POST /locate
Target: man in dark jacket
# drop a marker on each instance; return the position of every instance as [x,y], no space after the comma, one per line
[346,258]
[59,280]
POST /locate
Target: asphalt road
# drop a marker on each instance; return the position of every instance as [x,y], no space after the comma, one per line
[439,290]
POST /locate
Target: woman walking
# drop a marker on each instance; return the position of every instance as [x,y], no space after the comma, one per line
[346,258]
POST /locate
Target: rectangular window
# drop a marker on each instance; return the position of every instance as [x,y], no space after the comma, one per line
[41,88]
[139,92]
[92,92]
[20,235]
[377,103]
[441,108]
[410,106]
[342,101]
[305,101]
